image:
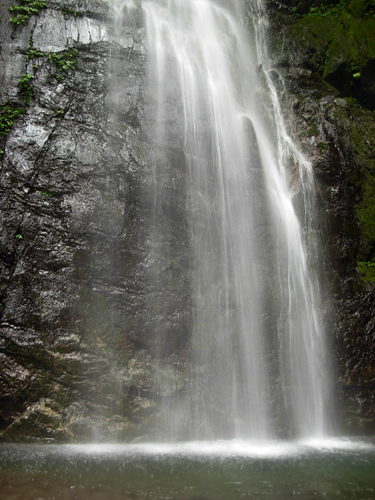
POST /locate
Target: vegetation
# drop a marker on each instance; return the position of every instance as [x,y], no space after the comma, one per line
[335,41]
[12,110]
[25,87]
[8,114]
[68,12]
[32,53]
[26,9]
[367,271]
[64,60]
[340,41]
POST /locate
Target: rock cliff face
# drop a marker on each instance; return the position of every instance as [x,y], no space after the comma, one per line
[82,271]
[79,280]
[325,52]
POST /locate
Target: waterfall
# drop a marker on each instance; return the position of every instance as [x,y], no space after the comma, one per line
[260,364]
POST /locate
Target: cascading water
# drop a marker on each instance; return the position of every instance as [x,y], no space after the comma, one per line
[258,343]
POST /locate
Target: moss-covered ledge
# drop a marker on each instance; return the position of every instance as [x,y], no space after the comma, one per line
[335,39]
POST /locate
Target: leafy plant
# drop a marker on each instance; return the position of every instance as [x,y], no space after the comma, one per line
[25,10]
[367,264]
[68,12]
[367,271]
[324,10]
[25,87]
[8,114]
[19,236]
[322,147]
[32,53]
[65,60]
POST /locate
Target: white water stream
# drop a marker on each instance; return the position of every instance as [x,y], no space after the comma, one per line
[258,342]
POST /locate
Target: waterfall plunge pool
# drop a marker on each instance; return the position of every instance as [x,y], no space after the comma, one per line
[333,468]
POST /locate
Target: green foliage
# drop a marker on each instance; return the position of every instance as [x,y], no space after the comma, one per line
[365,213]
[1,155]
[68,12]
[45,193]
[65,60]
[313,130]
[325,10]
[337,33]
[19,236]
[10,111]
[8,114]
[60,112]
[25,10]
[367,271]
[32,53]
[357,8]
[25,87]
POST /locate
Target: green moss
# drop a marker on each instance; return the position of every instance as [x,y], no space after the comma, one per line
[338,36]
[367,271]
[363,136]
[353,44]
[325,9]
[313,130]
[365,213]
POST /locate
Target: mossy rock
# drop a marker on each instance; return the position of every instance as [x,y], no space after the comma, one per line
[365,213]
[339,43]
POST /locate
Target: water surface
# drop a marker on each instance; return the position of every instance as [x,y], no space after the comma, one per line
[227,470]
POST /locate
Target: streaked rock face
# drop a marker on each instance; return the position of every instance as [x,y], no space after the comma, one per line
[77,257]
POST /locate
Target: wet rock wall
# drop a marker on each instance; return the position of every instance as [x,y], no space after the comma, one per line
[78,224]
[323,54]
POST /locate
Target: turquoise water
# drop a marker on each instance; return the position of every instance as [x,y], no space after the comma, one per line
[333,469]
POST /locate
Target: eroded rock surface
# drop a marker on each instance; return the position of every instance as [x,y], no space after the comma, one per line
[77,247]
